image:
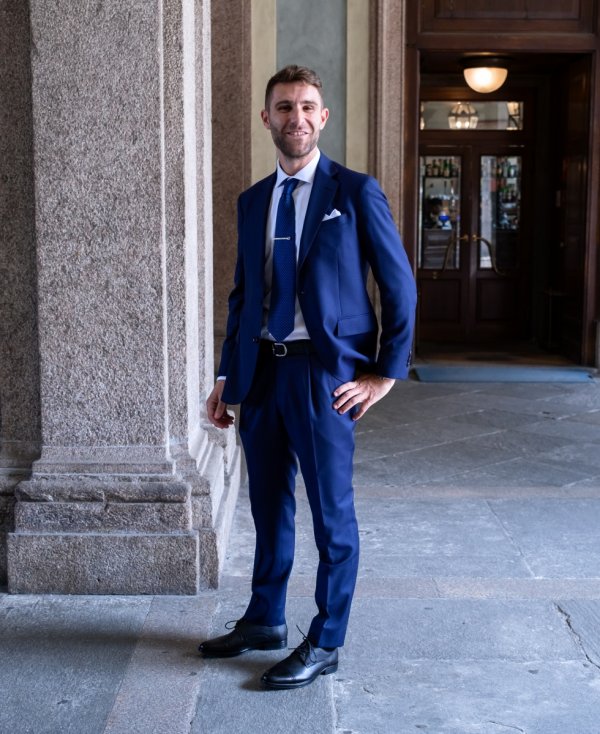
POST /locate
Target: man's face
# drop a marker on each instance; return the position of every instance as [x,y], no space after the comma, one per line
[295,118]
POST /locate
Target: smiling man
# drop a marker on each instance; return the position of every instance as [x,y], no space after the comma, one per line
[302,357]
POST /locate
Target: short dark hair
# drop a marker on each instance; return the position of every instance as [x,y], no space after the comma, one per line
[289,75]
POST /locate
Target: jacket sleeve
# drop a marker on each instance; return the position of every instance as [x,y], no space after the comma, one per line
[393,275]
[236,300]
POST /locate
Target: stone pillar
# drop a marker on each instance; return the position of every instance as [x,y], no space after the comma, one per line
[232,144]
[133,493]
[388,99]
[19,363]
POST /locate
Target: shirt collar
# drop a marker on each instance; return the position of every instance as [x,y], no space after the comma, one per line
[306,174]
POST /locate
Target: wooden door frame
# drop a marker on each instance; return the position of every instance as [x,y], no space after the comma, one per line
[397,43]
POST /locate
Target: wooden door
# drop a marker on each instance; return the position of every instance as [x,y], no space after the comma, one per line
[474,238]
[571,290]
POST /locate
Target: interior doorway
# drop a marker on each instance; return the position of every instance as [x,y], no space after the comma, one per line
[502,210]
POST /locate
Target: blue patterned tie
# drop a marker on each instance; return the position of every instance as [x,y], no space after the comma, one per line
[283,285]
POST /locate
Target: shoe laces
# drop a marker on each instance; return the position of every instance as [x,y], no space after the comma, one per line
[305,649]
[232,624]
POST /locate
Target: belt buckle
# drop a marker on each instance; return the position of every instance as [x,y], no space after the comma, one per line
[279,349]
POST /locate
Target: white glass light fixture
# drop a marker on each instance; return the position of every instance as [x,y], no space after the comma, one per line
[485,73]
[462,116]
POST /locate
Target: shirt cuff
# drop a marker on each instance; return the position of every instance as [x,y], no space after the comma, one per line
[220,378]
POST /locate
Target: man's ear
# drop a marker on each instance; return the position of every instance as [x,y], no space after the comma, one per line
[264,115]
[324,117]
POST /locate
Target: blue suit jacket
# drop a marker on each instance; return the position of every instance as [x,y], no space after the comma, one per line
[333,263]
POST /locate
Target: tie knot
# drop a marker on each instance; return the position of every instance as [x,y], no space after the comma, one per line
[289,185]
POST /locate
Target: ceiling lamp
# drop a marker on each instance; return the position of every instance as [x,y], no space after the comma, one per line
[463,116]
[485,72]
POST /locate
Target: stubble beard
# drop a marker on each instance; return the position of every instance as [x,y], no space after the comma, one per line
[290,150]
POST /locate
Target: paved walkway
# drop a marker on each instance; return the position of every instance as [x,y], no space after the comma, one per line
[477,608]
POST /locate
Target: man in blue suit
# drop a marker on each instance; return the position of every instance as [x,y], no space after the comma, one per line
[302,357]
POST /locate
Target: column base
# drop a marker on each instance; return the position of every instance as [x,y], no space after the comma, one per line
[70,533]
[103,563]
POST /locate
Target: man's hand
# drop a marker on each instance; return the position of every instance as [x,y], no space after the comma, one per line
[217,409]
[366,390]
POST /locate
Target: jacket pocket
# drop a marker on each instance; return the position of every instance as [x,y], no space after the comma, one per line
[359,324]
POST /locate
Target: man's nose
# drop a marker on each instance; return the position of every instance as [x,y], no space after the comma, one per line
[296,116]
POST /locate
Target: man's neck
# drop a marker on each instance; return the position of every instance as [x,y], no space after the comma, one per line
[291,166]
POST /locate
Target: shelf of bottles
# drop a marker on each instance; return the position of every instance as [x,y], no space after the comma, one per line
[439,213]
[500,211]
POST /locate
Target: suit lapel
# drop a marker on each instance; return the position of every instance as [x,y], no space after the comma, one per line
[324,188]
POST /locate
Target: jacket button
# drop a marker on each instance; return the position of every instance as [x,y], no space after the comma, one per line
[300,293]
[255,339]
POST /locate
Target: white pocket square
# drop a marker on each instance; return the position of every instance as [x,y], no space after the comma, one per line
[332,215]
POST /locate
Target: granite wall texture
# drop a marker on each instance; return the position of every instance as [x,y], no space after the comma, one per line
[120,95]
[19,373]
[19,360]
[232,113]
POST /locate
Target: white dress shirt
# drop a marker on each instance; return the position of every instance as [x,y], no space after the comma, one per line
[301,195]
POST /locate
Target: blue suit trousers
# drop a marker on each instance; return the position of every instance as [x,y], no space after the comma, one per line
[288,419]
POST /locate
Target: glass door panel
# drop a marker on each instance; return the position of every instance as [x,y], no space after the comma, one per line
[439,213]
[499,212]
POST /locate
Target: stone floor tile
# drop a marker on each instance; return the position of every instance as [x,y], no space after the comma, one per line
[523,443]
[435,538]
[559,538]
[592,417]
[513,588]
[495,418]
[63,660]
[457,629]
[427,433]
[469,697]
[573,429]
[232,700]
[582,456]
[519,472]
[162,682]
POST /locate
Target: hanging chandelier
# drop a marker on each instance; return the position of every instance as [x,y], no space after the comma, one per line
[463,116]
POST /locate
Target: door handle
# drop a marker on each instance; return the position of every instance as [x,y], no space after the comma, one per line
[492,250]
[450,249]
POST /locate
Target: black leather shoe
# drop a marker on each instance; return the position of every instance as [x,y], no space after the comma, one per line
[245,636]
[302,667]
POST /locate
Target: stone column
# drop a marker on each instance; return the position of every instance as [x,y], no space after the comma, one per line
[231,97]
[132,493]
[19,362]
[388,99]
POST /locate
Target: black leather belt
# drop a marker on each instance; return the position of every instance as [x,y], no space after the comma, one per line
[286,349]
